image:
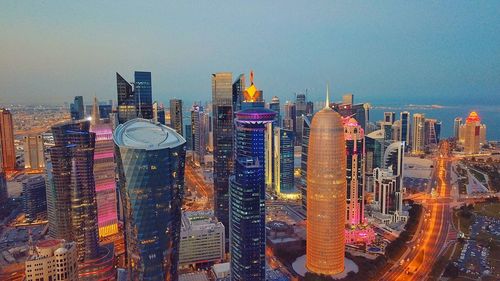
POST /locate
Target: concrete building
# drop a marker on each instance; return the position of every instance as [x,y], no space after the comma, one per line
[202,239]
[355,171]
[418,134]
[34,158]
[52,260]
[34,197]
[176,116]
[474,134]
[7,149]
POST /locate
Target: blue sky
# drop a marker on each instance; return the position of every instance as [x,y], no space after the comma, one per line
[445,52]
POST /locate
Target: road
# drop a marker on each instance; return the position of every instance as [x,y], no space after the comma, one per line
[202,190]
[423,254]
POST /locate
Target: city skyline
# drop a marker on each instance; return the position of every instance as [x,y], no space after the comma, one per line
[412,53]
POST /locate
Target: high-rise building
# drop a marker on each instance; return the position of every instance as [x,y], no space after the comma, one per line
[456,128]
[4,195]
[290,116]
[474,133]
[418,134]
[77,109]
[176,115]
[202,239]
[396,130]
[238,89]
[360,112]
[143,94]
[326,193]
[355,171]
[300,104]
[303,160]
[198,133]
[247,189]
[52,260]
[104,174]
[34,197]
[431,132]
[275,106]
[284,164]
[150,159]
[7,149]
[126,100]
[222,114]
[309,108]
[71,195]
[389,117]
[404,135]
[189,137]
[34,158]
[158,113]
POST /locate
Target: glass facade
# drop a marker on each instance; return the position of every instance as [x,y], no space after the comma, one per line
[143,93]
[284,163]
[303,160]
[150,160]
[355,171]
[247,196]
[176,115]
[126,100]
[77,109]
[326,194]
[34,197]
[405,127]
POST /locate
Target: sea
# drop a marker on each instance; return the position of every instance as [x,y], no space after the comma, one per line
[490,115]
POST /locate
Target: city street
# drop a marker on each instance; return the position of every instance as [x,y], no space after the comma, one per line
[202,192]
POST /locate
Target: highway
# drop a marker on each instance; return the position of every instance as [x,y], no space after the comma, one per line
[202,190]
[423,254]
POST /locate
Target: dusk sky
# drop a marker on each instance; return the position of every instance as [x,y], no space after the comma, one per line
[441,52]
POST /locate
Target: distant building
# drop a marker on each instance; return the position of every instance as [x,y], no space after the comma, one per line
[143,94]
[176,116]
[238,88]
[474,133]
[7,149]
[284,164]
[389,117]
[198,134]
[34,158]
[290,116]
[202,239]
[52,260]
[303,160]
[404,135]
[159,113]
[126,100]
[77,109]
[34,197]
[151,160]
[418,134]
[431,132]
[360,112]
[355,171]
[275,105]
[457,123]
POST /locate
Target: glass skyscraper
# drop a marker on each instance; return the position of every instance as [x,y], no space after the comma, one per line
[176,115]
[150,160]
[247,195]
[284,163]
[143,93]
[126,100]
[77,109]
[223,126]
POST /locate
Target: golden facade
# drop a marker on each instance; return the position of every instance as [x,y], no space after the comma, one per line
[326,194]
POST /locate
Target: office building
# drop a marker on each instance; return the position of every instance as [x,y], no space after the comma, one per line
[126,100]
[143,93]
[104,174]
[202,239]
[309,108]
[303,160]
[150,160]
[52,260]
[355,171]
[158,113]
[457,123]
[360,112]
[326,193]
[474,134]
[247,192]
[290,116]
[77,109]
[176,115]
[34,158]
[396,130]
[431,132]
[7,148]
[34,198]
[389,117]
[404,135]
[284,164]
[238,89]
[222,114]
[418,134]
[198,133]
[275,106]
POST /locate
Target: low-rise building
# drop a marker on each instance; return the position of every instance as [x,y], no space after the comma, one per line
[52,260]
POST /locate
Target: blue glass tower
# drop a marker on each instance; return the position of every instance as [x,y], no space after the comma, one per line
[150,160]
[143,94]
[284,163]
[247,195]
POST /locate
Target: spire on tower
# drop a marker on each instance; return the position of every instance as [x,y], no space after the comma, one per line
[327,102]
[96,116]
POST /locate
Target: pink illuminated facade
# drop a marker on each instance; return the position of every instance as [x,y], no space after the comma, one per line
[104,175]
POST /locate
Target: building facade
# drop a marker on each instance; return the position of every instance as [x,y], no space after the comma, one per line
[77,109]
[474,134]
[52,260]
[143,93]
[418,134]
[34,158]
[126,100]
[176,116]
[150,159]
[34,198]
[284,182]
[355,171]
[7,149]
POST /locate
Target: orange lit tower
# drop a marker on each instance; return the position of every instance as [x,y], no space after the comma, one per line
[326,193]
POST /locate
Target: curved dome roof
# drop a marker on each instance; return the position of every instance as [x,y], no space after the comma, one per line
[327,118]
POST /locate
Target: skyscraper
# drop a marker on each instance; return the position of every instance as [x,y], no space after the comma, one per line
[126,100]
[456,128]
[405,128]
[290,116]
[389,117]
[143,93]
[71,191]
[430,131]
[198,133]
[360,112]
[326,193]
[284,163]
[275,105]
[150,160]
[222,114]
[104,174]
[418,134]
[34,197]
[355,171]
[303,160]
[158,113]
[247,194]
[7,148]
[77,109]
[474,133]
[34,158]
[238,89]
[176,115]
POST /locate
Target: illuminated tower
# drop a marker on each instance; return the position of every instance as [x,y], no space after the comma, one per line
[474,133]
[418,134]
[326,193]
[150,159]
[456,128]
[176,115]
[104,174]
[247,190]
[355,147]
[7,149]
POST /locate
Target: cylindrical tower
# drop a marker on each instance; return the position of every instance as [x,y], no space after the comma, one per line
[326,194]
